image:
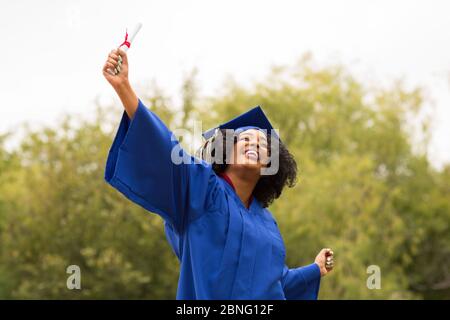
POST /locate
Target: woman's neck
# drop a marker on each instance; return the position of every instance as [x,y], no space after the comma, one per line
[244,184]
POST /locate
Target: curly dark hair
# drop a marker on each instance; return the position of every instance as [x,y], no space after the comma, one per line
[269,187]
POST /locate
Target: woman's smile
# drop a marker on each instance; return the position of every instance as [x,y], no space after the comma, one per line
[252,155]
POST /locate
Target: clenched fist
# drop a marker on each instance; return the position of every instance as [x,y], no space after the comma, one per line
[325,261]
[115,69]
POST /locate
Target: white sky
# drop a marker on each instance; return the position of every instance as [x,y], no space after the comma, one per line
[54,50]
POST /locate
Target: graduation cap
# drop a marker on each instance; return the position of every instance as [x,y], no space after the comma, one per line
[252,119]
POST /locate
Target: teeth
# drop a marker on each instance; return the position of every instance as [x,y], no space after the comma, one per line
[251,153]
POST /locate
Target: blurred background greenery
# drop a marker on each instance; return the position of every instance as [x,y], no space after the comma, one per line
[365,189]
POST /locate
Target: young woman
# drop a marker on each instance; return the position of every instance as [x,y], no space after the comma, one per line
[215,215]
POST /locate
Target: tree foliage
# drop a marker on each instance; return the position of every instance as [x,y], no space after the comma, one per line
[363,190]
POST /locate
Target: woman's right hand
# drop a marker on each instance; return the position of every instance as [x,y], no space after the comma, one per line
[120,79]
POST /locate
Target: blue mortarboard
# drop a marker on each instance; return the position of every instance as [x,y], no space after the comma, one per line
[254,118]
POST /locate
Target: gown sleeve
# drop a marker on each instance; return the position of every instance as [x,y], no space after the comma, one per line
[301,283]
[140,166]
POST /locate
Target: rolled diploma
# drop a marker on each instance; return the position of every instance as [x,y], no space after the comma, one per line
[132,36]
[130,39]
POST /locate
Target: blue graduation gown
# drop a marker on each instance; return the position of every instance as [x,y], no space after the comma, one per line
[226,251]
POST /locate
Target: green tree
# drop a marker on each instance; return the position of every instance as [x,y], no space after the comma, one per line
[363,189]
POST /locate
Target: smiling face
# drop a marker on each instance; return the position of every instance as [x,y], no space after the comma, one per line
[251,149]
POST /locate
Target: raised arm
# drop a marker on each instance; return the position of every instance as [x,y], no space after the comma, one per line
[120,82]
[140,164]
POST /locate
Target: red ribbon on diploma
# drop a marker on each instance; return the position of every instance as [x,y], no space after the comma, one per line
[126,42]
